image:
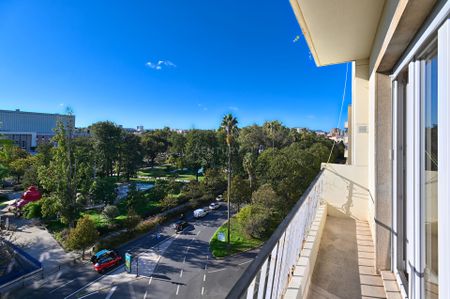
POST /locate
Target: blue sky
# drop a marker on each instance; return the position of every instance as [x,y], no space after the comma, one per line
[158,63]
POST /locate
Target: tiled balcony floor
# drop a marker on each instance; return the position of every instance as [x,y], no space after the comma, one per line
[345,264]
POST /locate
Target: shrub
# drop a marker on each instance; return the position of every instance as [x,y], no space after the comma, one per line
[256,221]
[83,235]
[132,220]
[169,202]
[110,212]
[33,210]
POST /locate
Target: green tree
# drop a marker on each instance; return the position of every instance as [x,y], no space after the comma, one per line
[17,168]
[202,150]
[135,199]
[152,146]
[110,212]
[83,235]
[251,139]
[61,178]
[131,155]
[214,182]
[240,191]
[277,134]
[103,190]
[229,125]
[107,140]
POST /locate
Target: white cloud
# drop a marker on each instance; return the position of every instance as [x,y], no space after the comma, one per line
[160,64]
[234,108]
[202,107]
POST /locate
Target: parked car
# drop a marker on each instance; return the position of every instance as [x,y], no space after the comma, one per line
[219,198]
[180,225]
[105,259]
[199,213]
[214,206]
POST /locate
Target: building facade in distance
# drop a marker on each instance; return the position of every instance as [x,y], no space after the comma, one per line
[28,129]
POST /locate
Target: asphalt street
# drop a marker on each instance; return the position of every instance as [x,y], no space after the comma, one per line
[170,266]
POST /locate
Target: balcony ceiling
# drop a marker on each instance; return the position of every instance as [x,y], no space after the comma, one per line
[338,30]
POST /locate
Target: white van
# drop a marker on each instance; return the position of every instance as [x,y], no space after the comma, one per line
[199,213]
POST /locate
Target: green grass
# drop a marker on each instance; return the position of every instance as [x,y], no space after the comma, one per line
[54,226]
[97,218]
[239,242]
[167,171]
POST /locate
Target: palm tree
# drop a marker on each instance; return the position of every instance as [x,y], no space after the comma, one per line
[229,125]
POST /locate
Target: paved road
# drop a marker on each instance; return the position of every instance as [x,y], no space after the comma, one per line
[171,266]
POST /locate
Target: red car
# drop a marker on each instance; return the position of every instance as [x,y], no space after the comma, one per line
[105,259]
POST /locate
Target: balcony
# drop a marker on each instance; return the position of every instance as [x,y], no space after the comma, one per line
[324,247]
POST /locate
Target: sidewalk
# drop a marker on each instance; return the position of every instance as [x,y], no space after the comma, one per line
[39,243]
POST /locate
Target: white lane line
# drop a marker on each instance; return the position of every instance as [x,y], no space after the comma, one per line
[206,266]
[111,292]
[181,273]
[178,289]
[150,280]
[204,277]
[145,295]
[94,281]
[244,262]
[199,232]
[203,290]
[215,271]
[88,295]
[61,286]
[184,259]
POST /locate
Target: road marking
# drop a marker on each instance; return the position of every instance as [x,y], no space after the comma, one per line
[181,273]
[88,295]
[244,262]
[204,277]
[215,271]
[178,289]
[145,295]
[206,266]
[111,292]
[61,286]
[203,290]
[150,280]
[94,281]
[184,259]
[199,232]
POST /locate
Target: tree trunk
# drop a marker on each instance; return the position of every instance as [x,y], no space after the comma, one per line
[228,195]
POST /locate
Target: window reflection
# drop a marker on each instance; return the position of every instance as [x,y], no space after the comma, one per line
[429,177]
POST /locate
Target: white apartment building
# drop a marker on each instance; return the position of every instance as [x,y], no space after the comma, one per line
[378,227]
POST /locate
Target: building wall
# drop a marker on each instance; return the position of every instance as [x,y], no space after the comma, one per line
[360,112]
[42,123]
[28,129]
[345,190]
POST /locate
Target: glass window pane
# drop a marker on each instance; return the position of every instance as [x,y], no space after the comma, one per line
[430,179]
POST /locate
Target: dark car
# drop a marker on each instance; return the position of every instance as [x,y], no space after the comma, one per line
[105,259]
[180,225]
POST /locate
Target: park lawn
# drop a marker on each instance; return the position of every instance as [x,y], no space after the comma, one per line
[167,171]
[240,242]
[97,218]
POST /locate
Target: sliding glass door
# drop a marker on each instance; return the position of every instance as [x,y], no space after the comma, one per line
[429,173]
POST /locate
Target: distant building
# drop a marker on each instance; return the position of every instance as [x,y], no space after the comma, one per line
[28,129]
[140,129]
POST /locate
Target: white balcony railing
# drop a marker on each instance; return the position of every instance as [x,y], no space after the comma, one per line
[267,276]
